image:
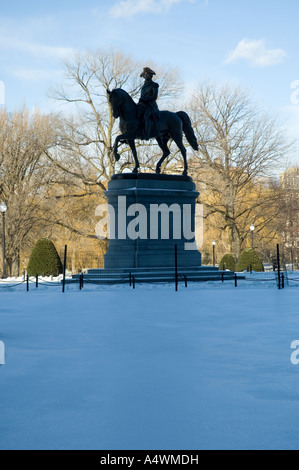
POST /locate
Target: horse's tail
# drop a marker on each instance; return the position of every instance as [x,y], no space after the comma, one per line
[188,130]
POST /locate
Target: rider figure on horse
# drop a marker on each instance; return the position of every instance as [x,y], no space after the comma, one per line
[147,105]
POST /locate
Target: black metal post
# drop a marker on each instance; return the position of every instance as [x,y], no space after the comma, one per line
[3,245]
[133,282]
[64,268]
[278,267]
[186,281]
[282,281]
[236,280]
[176,267]
[27,283]
[130,279]
[252,240]
[36,281]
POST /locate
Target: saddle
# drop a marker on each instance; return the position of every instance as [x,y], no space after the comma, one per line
[153,118]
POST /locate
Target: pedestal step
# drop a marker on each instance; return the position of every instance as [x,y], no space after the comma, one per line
[158,275]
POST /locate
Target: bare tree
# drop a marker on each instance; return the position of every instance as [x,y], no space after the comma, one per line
[24,175]
[239,148]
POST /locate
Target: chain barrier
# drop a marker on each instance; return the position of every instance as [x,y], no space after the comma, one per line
[131,279]
[12,285]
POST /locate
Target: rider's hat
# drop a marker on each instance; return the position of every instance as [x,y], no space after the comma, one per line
[147,70]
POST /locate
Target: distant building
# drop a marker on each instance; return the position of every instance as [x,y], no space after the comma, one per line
[289,182]
[290,179]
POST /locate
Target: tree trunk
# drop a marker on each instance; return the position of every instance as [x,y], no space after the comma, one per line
[235,242]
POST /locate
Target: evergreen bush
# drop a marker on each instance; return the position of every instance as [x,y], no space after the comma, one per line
[44,259]
[250,258]
[227,262]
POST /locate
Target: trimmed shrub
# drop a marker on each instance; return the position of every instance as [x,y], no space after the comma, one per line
[44,259]
[249,258]
[227,262]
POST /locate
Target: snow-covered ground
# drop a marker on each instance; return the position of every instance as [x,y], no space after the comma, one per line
[113,368]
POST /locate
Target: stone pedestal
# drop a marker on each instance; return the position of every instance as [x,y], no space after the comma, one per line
[149,215]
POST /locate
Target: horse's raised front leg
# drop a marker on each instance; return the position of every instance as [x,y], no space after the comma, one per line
[163,145]
[115,149]
[119,138]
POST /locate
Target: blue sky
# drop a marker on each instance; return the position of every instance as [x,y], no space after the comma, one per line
[252,43]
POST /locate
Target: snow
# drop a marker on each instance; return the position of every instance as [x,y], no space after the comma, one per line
[208,367]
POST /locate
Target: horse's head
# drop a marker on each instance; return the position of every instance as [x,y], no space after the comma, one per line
[114,103]
[118,99]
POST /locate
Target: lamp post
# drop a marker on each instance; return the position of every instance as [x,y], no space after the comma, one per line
[214,244]
[3,209]
[252,229]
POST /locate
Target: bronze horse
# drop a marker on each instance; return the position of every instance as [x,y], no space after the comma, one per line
[170,126]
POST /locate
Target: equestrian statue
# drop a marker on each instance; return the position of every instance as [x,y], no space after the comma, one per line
[144,121]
